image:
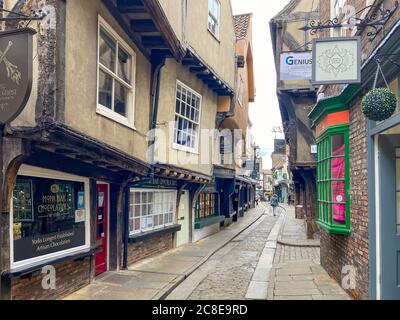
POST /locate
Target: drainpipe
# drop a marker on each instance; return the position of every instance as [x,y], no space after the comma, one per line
[1,203]
[157,63]
[125,201]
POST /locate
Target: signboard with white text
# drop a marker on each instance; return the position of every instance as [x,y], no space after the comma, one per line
[296,66]
[15,72]
[336,61]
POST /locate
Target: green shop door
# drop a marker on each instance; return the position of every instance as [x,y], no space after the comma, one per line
[183,220]
[389,172]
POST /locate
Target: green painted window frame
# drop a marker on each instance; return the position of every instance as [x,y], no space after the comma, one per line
[324,180]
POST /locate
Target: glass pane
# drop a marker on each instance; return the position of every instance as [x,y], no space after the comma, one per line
[338,145]
[398,174]
[137,197]
[398,213]
[137,224]
[137,211]
[105,89]
[339,195]
[120,99]
[124,65]
[107,50]
[338,168]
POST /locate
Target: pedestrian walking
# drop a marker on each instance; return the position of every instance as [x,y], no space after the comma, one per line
[274,203]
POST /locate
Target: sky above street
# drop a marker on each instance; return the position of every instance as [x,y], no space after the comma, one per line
[264,113]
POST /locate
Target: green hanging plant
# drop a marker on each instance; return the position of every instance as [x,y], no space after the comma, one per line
[379,104]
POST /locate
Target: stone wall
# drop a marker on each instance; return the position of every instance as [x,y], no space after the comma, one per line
[150,247]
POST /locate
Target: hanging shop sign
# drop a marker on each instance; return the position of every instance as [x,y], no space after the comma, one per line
[296,66]
[336,61]
[15,72]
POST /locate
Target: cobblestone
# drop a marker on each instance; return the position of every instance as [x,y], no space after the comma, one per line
[233,272]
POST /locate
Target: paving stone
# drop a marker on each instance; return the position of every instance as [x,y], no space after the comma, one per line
[294,271]
[293,298]
[331,297]
[262,274]
[257,290]
[295,285]
[297,292]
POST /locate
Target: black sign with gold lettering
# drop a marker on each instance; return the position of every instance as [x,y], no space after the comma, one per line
[15,72]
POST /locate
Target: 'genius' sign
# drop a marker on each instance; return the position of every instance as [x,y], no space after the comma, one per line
[15,72]
[296,66]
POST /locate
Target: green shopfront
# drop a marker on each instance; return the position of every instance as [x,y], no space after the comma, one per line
[358,181]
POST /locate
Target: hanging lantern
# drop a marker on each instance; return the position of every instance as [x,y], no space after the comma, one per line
[379,104]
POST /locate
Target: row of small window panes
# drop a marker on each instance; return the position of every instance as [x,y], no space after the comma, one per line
[323,176]
[150,222]
[185,132]
[151,210]
[206,206]
[398,190]
[187,111]
[186,97]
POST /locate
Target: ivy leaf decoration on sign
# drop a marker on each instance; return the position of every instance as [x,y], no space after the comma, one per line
[335,61]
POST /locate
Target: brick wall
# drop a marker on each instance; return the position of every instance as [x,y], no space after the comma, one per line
[353,250]
[149,247]
[339,251]
[70,277]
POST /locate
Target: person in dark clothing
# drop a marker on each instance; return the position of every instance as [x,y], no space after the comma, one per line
[274,203]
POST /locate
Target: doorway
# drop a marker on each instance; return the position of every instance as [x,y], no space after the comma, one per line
[102,227]
[389,193]
[183,219]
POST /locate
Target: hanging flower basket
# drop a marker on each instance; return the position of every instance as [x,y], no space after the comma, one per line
[379,104]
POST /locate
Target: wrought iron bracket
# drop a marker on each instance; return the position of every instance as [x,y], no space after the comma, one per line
[17,16]
[375,19]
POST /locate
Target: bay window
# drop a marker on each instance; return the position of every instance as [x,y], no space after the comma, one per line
[333,180]
[116,75]
[151,209]
[207,206]
[50,215]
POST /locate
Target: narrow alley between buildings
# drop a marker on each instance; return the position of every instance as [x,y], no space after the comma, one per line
[261,258]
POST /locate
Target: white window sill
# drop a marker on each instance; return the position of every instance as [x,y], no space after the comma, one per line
[216,37]
[105,112]
[179,147]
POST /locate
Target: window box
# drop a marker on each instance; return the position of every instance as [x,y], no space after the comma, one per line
[333,180]
[206,222]
[138,237]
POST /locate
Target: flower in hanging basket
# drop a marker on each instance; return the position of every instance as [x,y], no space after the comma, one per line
[379,104]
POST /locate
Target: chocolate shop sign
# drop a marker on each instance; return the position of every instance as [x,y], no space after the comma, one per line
[15,72]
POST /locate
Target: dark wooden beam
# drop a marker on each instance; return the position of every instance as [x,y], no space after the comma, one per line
[154,42]
[120,19]
[143,26]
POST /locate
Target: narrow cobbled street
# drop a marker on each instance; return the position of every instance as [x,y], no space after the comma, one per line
[228,273]
[261,258]
[243,269]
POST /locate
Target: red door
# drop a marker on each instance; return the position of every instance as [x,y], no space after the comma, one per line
[102,227]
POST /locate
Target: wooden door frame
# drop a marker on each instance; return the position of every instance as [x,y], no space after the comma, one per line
[108,220]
